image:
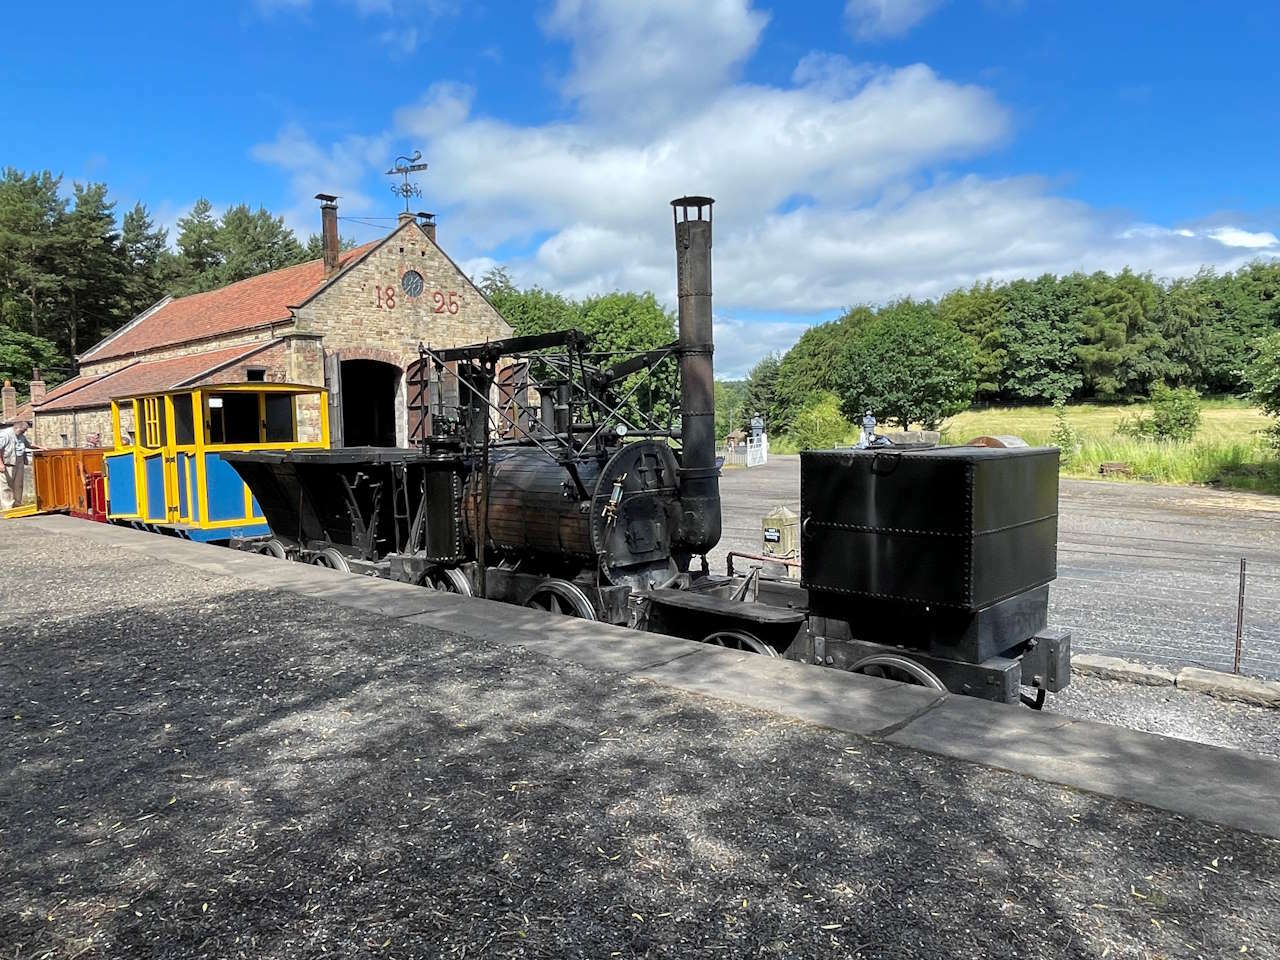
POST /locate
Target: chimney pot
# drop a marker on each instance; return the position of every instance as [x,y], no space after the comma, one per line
[8,403]
[329,232]
[36,387]
[428,222]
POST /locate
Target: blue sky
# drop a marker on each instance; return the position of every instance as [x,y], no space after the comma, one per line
[858,150]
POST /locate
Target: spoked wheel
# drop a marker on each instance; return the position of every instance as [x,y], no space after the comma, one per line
[450,580]
[273,548]
[740,640]
[893,667]
[563,597]
[332,559]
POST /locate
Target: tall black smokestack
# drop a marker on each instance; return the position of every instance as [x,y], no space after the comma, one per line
[699,483]
[329,242]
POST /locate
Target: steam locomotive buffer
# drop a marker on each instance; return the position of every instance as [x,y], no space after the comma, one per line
[550,474]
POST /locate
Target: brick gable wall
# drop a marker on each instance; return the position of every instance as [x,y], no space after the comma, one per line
[450,311]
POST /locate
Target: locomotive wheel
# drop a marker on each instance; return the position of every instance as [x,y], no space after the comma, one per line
[892,667]
[331,558]
[273,548]
[563,597]
[450,580]
[739,640]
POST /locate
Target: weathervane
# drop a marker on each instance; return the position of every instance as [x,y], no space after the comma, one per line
[405,166]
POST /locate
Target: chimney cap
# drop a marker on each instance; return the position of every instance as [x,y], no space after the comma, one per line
[425,217]
[686,204]
[326,197]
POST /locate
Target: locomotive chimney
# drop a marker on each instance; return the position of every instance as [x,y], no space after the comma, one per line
[699,483]
[329,232]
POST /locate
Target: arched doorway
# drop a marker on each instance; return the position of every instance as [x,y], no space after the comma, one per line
[369,389]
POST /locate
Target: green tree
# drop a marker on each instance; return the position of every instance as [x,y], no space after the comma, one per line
[806,370]
[981,312]
[314,248]
[31,212]
[908,365]
[1264,374]
[20,352]
[149,265]
[496,281]
[729,398]
[536,310]
[92,282]
[622,325]
[819,425]
[762,381]
[199,252]
[1186,323]
[1040,331]
[1122,352]
[251,242]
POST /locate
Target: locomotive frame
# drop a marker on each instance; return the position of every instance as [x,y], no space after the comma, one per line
[537,481]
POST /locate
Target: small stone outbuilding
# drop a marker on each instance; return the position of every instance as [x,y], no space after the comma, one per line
[350,322]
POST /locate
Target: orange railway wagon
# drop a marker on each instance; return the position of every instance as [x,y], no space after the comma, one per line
[70,480]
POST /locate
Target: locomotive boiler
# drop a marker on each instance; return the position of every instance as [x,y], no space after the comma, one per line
[549,473]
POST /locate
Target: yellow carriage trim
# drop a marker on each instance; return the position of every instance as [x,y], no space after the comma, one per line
[166,467]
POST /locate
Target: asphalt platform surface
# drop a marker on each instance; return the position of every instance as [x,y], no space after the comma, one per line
[1149,573]
[197,766]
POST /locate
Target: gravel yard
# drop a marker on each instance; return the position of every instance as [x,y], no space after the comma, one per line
[197,767]
[1172,713]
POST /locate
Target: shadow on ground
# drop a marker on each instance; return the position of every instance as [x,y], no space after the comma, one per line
[237,773]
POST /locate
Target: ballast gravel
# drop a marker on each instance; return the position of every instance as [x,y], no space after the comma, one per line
[1173,713]
[194,767]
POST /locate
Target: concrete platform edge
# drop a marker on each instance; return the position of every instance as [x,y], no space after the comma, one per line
[1212,784]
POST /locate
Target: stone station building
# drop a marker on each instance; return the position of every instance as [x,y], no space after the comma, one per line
[350,322]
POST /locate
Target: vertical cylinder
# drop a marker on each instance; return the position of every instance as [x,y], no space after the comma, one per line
[329,242]
[699,482]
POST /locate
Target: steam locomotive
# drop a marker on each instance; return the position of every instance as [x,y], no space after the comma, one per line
[536,478]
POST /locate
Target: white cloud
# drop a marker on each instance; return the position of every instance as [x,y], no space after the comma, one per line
[874,19]
[831,190]
[339,169]
[740,343]
[402,40]
[639,63]
[1235,237]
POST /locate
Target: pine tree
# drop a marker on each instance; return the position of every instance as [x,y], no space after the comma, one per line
[254,242]
[198,251]
[762,382]
[92,288]
[30,209]
[149,264]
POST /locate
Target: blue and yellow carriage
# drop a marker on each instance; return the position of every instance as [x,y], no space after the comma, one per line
[166,471]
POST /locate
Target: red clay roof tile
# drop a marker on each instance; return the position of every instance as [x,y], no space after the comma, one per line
[238,306]
[149,377]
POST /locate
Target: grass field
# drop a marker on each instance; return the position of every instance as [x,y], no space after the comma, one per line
[1228,451]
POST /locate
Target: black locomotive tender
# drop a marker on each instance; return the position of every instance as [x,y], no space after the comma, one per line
[925,565]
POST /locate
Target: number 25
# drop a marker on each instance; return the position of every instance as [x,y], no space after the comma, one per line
[451,304]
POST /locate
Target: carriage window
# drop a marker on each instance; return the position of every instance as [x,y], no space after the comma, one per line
[279,418]
[153,422]
[126,424]
[184,427]
[233,418]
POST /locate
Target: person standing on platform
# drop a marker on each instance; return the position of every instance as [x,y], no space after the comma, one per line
[13,464]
